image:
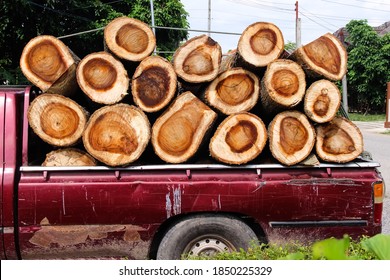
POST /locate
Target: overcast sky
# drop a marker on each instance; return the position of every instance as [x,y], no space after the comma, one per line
[317,16]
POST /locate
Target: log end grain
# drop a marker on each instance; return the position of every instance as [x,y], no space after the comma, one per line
[322,101]
[260,44]
[69,157]
[198,60]
[117,135]
[56,119]
[44,60]
[283,85]
[339,141]
[129,39]
[178,132]
[326,56]
[233,91]
[239,139]
[291,137]
[154,84]
[102,78]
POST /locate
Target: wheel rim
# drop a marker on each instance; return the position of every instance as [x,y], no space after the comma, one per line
[208,245]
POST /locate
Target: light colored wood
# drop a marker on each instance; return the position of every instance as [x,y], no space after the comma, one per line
[69,157]
[322,101]
[239,139]
[154,84]
[103,78]
[324,57]
[339,141]
[57,120]
[283,86]
[233,91]
[291,137]
[129,39]
[117,134]
[50,65]
[180,130]
[198,59]
[260,44]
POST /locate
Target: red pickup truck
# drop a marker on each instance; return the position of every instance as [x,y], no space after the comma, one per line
[162,211]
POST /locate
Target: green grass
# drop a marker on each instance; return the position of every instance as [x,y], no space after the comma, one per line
[367,118]
[373,248]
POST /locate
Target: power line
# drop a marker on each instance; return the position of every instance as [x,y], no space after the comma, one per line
[59,12]
[257,4]
[356,6]
[320,24]
[319,17]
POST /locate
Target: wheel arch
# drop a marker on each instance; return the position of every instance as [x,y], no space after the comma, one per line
[167,224]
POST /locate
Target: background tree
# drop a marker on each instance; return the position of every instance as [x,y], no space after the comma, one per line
[368,67]
[22,20]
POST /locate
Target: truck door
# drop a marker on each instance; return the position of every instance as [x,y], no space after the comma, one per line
[2,104]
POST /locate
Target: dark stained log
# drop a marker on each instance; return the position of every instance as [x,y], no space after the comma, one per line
[324,57]
[69,157]
[322,101]
[282,86]
[339,141]
[180,130]
[50,65]
[260,44]
[198,60]
[129,39]
[239,139]
[117,134]
[233,91]
[103,78]
[154,84]
[291,137]
[57,120]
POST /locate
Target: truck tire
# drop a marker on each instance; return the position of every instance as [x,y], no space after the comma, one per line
[205,236]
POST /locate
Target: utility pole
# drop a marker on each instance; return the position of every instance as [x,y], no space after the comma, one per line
[297,26]
[152,16]
[209,22]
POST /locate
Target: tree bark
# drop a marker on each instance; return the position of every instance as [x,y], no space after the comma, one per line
[50,65]
[154,84]
[57,120]
[198,60]
[129,39]
[239,139]
[339,141]
[260,44]
[117,135]
[178,133]
[69,157]
[291,137]
[283,86]
[233,91]
[103,78]
[322,101]
[323,57]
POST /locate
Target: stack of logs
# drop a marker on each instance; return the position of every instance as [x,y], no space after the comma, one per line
[201,97]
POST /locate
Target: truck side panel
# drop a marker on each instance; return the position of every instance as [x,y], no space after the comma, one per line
[2,120]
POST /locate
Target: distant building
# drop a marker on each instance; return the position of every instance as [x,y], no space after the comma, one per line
[342,33]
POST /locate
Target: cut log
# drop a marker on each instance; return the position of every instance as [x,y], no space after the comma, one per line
[282,86]
[233,91]
[57,120]
[339,141]
[103,78]
[322,101]
[260,44]
[239,139]
[291,137]
[178,133]
[129,39]
[69,157]
[117,134]
[154,84]
[324,57]
[198,60]
[50,65]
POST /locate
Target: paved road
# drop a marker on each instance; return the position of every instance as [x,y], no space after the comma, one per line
[378,144]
